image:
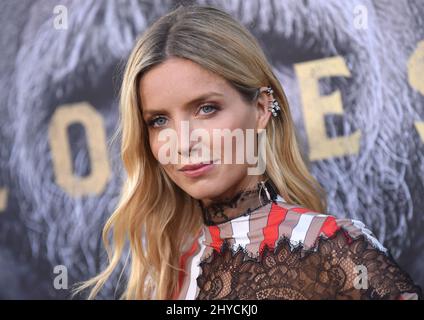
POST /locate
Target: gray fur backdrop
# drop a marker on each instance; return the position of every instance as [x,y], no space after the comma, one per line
[43,68]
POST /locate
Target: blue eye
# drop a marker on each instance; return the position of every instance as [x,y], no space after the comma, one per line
[154,122]
[209,107]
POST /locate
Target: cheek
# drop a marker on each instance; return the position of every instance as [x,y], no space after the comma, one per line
[154,147]
[239,118]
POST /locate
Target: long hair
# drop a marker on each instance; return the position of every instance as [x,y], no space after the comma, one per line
[157,230]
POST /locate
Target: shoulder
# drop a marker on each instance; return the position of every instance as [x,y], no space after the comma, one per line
[304,226]
[348,248]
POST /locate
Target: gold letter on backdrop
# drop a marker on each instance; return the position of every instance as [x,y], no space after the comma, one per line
[420,128]
[316,106]
[416,68]
[3,199]
[86,115]
[415,78]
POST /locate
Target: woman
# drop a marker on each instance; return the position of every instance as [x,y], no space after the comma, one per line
[202,227]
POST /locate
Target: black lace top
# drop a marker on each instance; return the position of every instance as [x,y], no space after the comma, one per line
[282,251]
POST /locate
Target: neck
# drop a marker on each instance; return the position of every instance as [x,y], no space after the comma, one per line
[242,203]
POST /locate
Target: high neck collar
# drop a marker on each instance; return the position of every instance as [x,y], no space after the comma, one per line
[242,204]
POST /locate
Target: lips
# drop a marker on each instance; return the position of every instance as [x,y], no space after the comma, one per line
[193,167]
[197,170]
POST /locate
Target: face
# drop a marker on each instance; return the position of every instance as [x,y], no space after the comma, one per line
[180,97]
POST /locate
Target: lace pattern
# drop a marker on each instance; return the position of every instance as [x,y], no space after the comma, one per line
[328,271]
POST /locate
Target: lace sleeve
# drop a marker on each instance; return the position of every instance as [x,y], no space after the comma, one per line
[369,272]
[340,267]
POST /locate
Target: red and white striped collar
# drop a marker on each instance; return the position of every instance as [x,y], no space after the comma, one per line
[246,231]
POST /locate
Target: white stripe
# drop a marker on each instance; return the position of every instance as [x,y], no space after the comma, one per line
[240,231]
[195,270]
[280,198]
[299,232]
[368,234]
[322,215]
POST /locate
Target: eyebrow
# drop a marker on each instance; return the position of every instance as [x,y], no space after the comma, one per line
[191,102]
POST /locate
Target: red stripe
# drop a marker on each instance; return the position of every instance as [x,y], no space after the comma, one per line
[216,237]
[301,210]
[183,262]
[276,216]
[329,227]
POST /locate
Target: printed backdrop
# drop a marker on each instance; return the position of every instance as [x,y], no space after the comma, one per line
[352,71]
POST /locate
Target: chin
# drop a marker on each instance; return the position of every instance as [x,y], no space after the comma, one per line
[201,188]
[211,184]
[202,191]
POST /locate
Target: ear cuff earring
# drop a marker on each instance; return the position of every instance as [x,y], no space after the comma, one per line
[274,106]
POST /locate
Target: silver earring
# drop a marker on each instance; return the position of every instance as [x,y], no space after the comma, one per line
[266,190]
[274,106]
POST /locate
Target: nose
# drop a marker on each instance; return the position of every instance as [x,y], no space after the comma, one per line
[183,128]
[191,136]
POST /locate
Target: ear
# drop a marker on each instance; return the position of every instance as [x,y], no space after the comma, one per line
[262,104]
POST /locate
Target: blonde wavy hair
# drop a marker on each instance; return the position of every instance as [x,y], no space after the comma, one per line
[156,229]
